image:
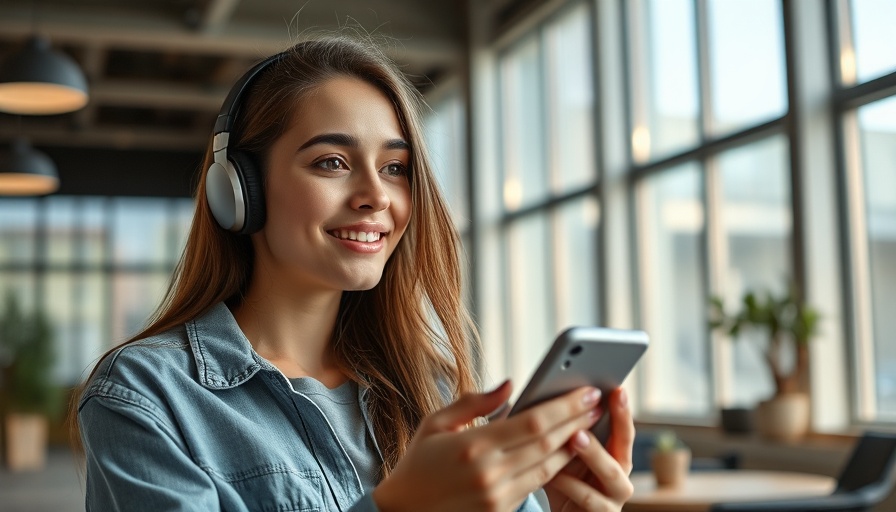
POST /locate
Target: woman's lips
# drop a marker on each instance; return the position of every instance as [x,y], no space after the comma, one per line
[365,242]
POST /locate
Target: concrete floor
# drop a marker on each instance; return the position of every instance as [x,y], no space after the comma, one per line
[58,487]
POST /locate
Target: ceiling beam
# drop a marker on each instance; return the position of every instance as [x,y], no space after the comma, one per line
[217,14]
[60,135]
[165,95]
[143,32]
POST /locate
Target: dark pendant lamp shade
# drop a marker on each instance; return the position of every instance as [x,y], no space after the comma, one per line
[24,171]
[40,81]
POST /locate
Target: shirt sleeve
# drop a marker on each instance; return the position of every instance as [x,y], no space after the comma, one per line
[136,463]
[365,504]
[533,503]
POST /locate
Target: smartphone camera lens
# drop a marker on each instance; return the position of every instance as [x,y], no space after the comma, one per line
[576,350]
[566,364]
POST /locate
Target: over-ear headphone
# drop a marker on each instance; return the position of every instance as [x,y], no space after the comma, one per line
[233,183]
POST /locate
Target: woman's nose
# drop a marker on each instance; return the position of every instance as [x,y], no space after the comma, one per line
[369,192]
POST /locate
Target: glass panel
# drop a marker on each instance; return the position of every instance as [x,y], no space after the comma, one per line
[59,304]
[61,229]
[445,129]
[91,326]
[756,219]
[672,225]
[528,285]
[134,298]
[571,84]
[18,221]
[181,219]
[576,263]
[139,230]
[523,124]
[667,108]
[93,231]
[877,124]
[872,29]
[19,283]
[747,72]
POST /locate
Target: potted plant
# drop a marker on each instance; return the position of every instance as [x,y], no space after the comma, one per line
[29,397]
[670,460]
[789,324]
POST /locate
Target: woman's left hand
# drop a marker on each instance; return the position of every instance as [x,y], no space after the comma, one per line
[598,478]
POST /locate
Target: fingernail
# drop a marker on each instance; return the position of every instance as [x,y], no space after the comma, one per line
[499,387]
[623,398]
[580,440]
[591,397]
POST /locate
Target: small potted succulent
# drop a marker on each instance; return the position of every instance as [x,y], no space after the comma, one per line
[670,460]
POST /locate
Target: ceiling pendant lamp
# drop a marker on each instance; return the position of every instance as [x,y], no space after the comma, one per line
[24,171]
[39,81]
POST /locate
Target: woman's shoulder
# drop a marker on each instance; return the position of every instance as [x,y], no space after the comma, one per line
[145,363]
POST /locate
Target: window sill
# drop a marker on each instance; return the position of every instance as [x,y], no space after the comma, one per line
[819,453]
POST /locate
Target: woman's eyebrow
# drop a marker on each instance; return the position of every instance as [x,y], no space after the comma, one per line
[333,139]
[397,144]
[346,140]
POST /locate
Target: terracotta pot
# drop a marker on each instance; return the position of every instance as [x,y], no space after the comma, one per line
[670,468]
[783,417]
[26,442]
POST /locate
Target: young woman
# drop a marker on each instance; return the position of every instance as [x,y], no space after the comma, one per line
[314,335]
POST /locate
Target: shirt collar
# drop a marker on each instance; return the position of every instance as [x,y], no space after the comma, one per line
[223,355]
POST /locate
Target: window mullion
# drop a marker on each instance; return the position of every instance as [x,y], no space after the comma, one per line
[862,325]
[715,243]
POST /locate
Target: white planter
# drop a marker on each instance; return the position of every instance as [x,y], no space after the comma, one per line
[26,442]
[784,417]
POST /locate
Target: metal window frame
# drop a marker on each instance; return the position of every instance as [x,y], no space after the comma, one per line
[549,204]
[107,267]
[705,154]
[849,95]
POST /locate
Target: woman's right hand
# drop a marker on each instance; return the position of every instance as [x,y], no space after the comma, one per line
[490,468]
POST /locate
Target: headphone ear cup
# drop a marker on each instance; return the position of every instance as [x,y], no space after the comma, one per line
[224,195]
[252,183]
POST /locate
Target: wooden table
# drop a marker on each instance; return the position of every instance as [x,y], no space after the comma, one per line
[703,488]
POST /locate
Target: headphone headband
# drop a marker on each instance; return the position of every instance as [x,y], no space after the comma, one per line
[227,115]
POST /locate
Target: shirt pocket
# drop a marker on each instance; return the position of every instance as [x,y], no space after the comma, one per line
[276,488]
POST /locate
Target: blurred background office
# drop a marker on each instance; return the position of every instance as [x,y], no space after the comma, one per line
[611,162]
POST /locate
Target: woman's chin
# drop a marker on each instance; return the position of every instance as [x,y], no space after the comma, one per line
[363,284]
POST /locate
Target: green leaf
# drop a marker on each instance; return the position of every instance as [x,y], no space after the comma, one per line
[28,357]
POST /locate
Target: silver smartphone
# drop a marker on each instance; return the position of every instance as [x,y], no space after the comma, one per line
[584,356]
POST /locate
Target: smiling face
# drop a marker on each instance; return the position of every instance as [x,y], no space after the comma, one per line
[337,192]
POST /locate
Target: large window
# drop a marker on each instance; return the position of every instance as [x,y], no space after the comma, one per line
[745,46]
[866,104]
[97,266]
[877,137]
[866,39]
[673,227]
[445,127]
[657,153]
[551,216]
[754,237]
[713,214]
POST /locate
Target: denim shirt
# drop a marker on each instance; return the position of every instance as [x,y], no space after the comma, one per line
[194,419]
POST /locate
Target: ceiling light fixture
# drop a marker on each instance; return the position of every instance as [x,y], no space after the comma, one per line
[24,171]
[40,81]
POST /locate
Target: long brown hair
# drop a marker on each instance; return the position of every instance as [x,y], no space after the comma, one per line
[410,338]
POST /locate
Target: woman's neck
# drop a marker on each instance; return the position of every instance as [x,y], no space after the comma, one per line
[292,330]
